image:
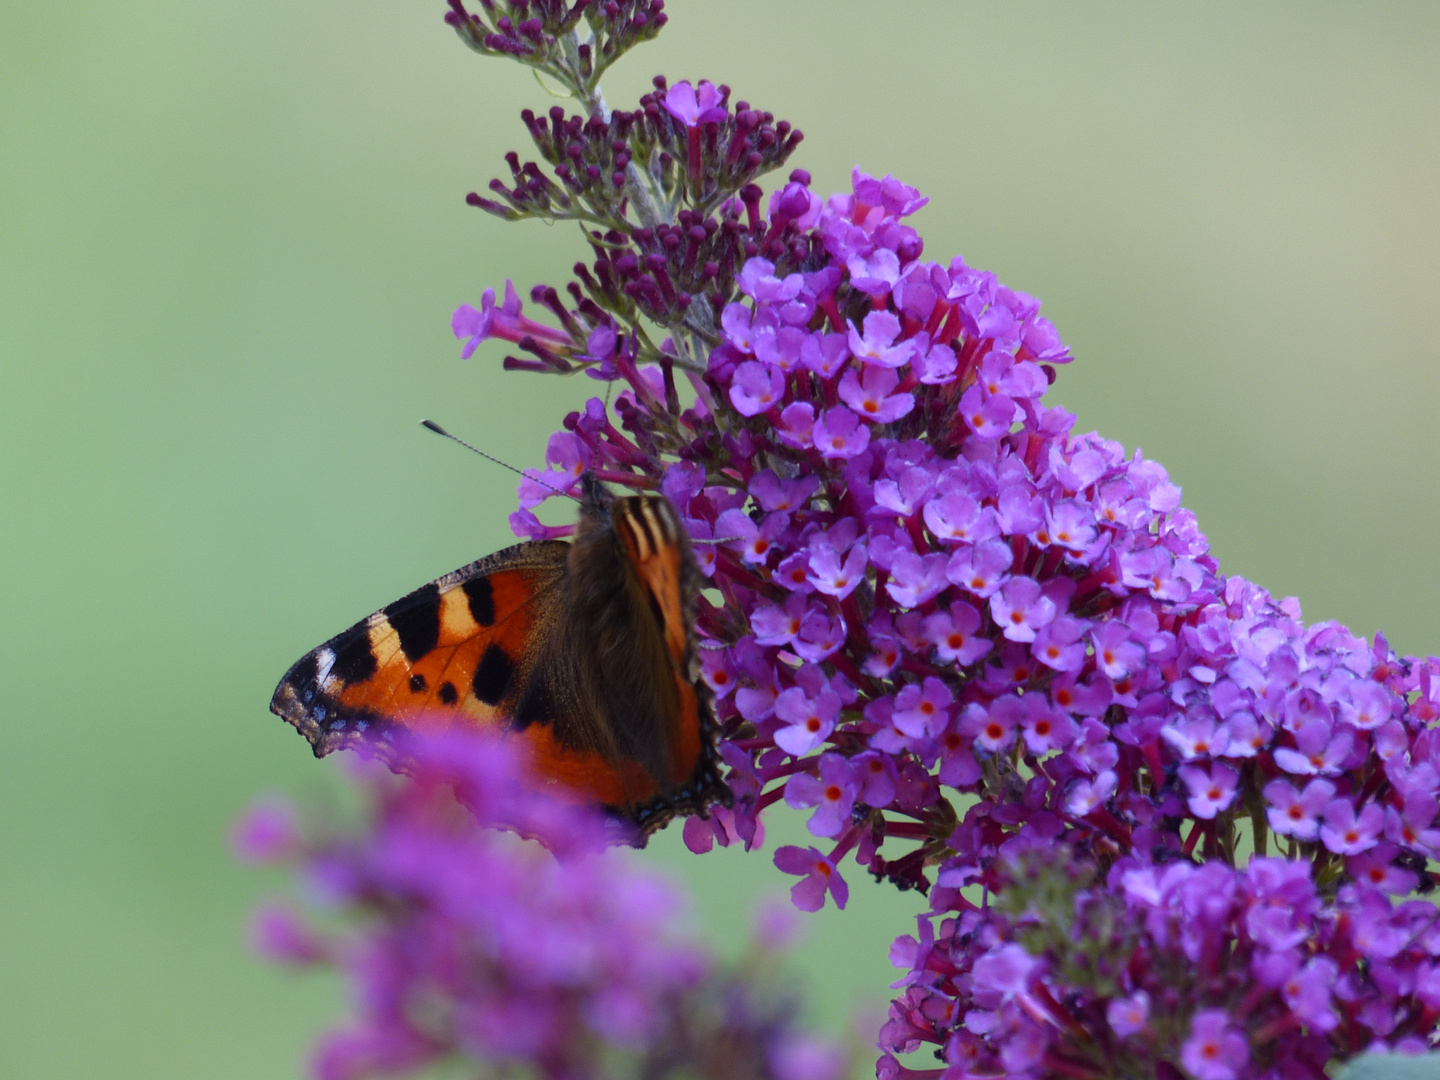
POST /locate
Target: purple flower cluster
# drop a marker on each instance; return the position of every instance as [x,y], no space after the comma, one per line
[1225,972]
[471,945]
[955,632]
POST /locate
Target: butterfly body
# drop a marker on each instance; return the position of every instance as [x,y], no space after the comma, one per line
[583,650]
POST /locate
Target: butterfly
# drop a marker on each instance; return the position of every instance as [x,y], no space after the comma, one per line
[584,650]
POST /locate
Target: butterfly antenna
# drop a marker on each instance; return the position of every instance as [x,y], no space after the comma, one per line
[438,430]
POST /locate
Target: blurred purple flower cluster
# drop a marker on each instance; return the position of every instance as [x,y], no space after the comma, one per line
[956,632]
[466,944]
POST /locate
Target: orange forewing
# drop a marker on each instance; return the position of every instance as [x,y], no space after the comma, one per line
[421,661]
[393,690]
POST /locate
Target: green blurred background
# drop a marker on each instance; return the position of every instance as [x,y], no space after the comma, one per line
[231,236]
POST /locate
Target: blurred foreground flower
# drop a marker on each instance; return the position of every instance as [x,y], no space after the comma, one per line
[464,944]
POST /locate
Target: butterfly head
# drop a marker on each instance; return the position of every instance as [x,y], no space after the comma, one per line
[596,501]
[645,524]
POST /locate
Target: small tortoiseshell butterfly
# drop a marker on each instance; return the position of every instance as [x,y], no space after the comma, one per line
[583,650]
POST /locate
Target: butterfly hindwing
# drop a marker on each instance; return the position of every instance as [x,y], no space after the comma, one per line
[658,549]
[604,675]
[657,554]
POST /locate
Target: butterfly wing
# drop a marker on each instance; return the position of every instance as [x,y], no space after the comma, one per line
[451,652]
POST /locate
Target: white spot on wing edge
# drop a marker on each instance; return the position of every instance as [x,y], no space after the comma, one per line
[324,661]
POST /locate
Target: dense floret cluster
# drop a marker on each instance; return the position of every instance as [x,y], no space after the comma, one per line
[465,945]
[945,623]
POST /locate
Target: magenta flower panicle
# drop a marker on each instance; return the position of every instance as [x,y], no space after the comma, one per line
[927,570]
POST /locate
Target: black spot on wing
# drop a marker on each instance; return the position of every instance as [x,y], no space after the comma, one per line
[482,600]
[416,618]
[354,662]
[448,693]
[493,675]
[417,684]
